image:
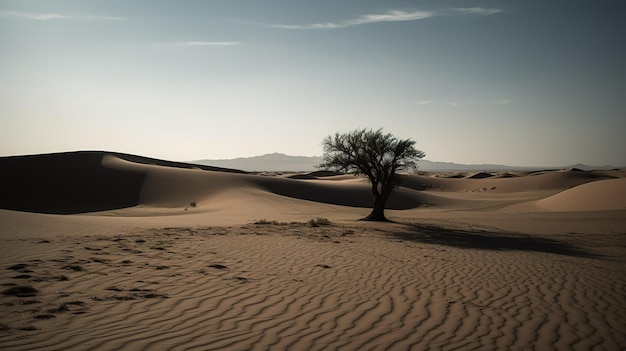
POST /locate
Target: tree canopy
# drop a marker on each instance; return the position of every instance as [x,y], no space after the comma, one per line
[374,154]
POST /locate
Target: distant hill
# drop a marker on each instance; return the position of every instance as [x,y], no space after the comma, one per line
[435,166]
[267,163]
[280,162]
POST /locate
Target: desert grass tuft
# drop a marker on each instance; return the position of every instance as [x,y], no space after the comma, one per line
[266,222]
[318,222]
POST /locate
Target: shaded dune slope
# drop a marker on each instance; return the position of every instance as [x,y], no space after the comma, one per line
[175,187]
[345,193]
[76,182]
[66,183]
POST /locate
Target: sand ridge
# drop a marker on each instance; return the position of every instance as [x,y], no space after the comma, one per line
[597,196]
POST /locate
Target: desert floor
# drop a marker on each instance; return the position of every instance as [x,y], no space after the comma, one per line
[515,261]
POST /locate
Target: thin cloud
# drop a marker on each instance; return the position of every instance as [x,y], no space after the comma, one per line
[393,16]
[504,102]
[101,18]
[479,11]
[207,43]
[423,102]
[484,103]
[458,103]
[55,16]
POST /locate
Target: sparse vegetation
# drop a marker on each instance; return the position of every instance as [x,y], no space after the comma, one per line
[317,222]
[266,222]
[313,222]
[193,204]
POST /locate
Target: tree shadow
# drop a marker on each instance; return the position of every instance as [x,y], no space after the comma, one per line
[485,240]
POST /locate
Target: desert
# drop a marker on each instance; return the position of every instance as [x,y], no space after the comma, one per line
[104,250]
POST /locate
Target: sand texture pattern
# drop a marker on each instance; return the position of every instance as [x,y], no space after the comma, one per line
[516,261]
[295,287]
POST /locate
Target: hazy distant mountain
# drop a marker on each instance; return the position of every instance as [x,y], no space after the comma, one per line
[435,166]
[267,163]
[281,162]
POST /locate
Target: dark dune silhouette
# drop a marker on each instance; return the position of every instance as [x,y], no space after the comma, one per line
[74,182]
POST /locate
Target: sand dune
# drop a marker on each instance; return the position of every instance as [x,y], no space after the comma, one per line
[77,182]
[66,183]
[524,260]
[87,182]
[95,181]
[597,196]
[508,183]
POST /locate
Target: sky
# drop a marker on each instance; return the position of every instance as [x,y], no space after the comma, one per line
[532,83]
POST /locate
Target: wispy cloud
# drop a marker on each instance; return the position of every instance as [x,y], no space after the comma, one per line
[392,16]
[423,102]
[207,43]
[504,102]
[49,16]
[479,11]
[483,103]
[100,18]
[461,103]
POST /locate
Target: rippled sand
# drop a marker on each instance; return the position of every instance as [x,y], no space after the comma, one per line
[297,287]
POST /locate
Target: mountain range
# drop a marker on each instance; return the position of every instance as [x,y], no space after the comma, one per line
[275,162]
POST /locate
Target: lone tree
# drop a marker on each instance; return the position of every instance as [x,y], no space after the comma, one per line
[375,155]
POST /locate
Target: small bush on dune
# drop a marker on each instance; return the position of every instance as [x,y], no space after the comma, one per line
[317,222]
[265,222]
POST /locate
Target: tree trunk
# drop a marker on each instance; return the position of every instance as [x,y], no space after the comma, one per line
[378,212]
